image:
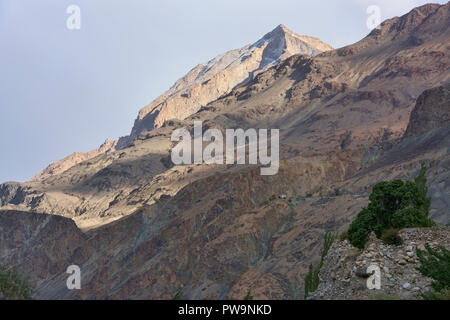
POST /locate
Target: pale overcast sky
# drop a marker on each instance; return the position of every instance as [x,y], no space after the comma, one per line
[68,90]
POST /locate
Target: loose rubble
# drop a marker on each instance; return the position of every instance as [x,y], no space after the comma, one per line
[344,276]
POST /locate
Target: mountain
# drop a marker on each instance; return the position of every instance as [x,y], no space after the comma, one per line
[348,118]
[209,81]
[204,84]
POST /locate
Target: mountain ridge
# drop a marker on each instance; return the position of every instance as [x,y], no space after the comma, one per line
[185,96]
[212,79]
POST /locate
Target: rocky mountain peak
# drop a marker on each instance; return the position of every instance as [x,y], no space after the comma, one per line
[294,44]
[280,31]
[205,83]
[417,17]
[208,81]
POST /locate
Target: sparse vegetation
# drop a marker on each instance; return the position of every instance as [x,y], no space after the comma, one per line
[312,278]
[392,205]
[268,200]
[436,265]
[343,235]
[391,237]
[443,294]
[13,286]
[177,295]
[248,296]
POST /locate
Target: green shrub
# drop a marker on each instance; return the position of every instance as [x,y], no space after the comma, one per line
[435,265]
[392,204]
[13,286]
[391,237]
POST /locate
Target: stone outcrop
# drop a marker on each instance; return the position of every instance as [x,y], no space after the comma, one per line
[432,111]
[344,272]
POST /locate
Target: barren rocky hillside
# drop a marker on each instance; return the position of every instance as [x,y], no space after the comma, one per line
[220,230]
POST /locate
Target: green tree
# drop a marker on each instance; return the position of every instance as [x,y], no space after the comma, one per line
[312,279]
[360,228]
[410,218]
[392,205]
[13,286]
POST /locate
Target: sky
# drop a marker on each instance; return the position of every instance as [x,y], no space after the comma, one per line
[64,90]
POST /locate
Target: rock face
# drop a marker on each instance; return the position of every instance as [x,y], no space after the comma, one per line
[207,82]
[33,241]
[343,277]
[432,111]
[215,230]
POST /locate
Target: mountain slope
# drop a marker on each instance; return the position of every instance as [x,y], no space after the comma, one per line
[217,238]
[207,82]
[349,98]
[73,159]
[202,85]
